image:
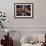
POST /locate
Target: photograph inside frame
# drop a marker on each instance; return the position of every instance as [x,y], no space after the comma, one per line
[24,10]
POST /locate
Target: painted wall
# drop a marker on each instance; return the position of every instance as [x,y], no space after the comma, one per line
[39,13]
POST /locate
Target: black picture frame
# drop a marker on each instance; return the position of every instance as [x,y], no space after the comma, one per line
[23,10]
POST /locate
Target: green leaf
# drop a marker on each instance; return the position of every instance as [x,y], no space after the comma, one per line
[3,19]
[4,13]
[0,21]
[4,16]
[0,12]
[2,26]
[1,16]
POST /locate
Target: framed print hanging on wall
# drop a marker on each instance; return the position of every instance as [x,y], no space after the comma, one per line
[23,10]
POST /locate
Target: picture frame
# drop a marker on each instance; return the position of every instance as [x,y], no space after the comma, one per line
[23,10]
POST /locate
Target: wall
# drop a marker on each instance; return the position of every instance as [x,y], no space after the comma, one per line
[39,13]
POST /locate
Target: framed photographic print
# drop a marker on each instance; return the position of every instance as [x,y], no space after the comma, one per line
[23,10]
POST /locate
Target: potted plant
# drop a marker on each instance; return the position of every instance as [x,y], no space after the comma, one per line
[2,19]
